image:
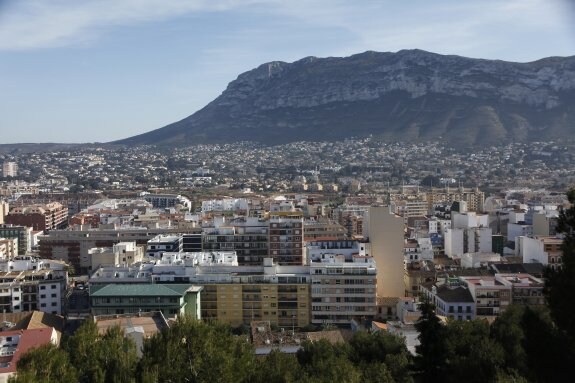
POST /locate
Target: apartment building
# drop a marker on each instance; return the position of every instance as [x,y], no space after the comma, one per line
[49,216]
[474,198]
[238,294]
[286,238]
[172,300]
[343,290]
[544,250]
[491,295]
[164,243]
[123,253]
[248,237]
[73,246]
[525,289]
[163,201]
[451,298]
[9,169]
[22,234]
[4,208]
[28,284]
[8,248]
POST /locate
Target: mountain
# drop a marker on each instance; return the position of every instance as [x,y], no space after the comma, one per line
[411,95]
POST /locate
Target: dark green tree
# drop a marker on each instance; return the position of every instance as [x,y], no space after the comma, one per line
[45,364]
[108,358]
[326,362]
[277,367]
[381,347]
[472,356]
[507,330]
[195,351]
[432,348]
[560,283]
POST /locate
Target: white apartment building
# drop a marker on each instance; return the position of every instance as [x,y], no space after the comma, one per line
[544,250]
[468,220]
[28,284]
[9,169]
[226,204]
[123,253]
[342,291]
[8,248]
[471,240]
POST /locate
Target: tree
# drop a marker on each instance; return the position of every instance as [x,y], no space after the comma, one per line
[507,330]
[369,350]
[277,367]
[560,283]
[195,351]
[108,358]
[324,362]
[472,356]
[45,364]
[432,348]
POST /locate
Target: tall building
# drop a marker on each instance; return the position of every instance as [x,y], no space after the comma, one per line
[385,232]
[9,169]
[4,208]
[286,238]
[247,236]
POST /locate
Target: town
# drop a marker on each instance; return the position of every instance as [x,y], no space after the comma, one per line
[303,237]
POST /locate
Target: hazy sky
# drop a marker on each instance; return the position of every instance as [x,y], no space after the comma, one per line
[101,70]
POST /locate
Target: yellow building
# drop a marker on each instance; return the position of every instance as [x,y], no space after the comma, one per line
[286,305]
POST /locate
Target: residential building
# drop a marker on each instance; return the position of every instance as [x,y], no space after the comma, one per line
[163,201]
[247,236]
[9,169]
[4,208]
[545,223]
[8,248]
[164,243]
[525,289]
[72,246]
[459,241]
[451,298]
[172,300]
[49,216]
[343,291]
[323,229]
[22,234]
[28,284]
[491,296]
[286,238]
[544,250]
[385,232]
[123,253]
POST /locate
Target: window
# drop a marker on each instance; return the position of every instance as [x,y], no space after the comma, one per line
[53,295]
[54,286]
[54,304]
[42,304]
[42,296]
[42,287]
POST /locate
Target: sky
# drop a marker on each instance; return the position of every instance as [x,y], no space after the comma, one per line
[78,71]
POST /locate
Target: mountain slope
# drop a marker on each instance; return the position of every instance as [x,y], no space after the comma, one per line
[408,95]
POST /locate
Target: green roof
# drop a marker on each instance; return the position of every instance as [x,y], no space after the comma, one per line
[144,290]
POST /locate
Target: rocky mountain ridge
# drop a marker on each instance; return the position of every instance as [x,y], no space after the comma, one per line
[408,95]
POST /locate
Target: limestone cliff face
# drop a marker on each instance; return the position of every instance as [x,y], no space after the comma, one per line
[408,95]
